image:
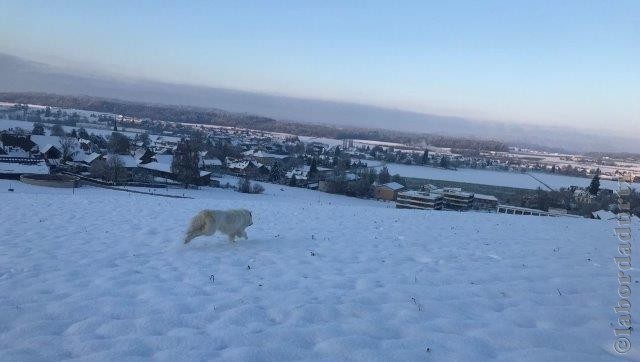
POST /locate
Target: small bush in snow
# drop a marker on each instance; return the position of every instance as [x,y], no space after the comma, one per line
[257,189]
[245,186]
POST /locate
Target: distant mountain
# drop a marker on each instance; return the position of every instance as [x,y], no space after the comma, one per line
[20,75]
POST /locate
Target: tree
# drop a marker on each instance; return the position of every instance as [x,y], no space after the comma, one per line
[57,130]
[38,129]
[99,169]
[67,148]
[47,112]
[444,162]
[397,178]
[594,187]
[257,189]
[115,169]
[293,181]
[384,176]
[425,157]
[82,133]
[275,174]
[118,144]
[244,185]
[144,139]
[313,169]
[185,163]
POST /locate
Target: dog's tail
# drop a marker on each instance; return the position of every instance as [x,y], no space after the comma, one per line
[196,227]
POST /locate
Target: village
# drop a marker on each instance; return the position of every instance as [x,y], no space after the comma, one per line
[114,150]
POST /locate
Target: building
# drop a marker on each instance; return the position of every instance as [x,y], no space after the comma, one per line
[418,200]
[387,191]
[455,198]
[515,210]
[485,202]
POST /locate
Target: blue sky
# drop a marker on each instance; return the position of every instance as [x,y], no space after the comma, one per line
[574,63]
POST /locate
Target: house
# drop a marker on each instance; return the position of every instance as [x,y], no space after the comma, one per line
[484,202]
[418,200]
[51,152]
[163,170]
[247,168]
[337,183]
[144,155]
[387,191]
[212,163]
[264,157]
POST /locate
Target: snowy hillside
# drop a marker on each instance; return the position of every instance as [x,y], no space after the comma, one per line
[102,275]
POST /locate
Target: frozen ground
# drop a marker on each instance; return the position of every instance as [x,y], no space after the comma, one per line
[103,275]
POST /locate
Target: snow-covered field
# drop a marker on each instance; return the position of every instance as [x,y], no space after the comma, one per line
[95,274]
[495,178]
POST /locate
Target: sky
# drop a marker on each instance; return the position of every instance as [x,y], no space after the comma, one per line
[568,63]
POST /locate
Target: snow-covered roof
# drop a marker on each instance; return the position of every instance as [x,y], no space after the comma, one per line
[420,194]
[485,197]
[86,157]
[241,164]
[299,174]
[128,160]
[393,186]
[165,167]
[164,158]
[603,215]
[46,148]
[157,166]
[45,141]
[211,162]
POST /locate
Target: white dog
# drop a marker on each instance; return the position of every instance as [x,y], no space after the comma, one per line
[230,222]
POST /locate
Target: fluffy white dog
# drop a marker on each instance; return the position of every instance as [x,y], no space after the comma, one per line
[231,223]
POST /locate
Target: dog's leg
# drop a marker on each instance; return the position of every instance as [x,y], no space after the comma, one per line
[232,238]
[243,234]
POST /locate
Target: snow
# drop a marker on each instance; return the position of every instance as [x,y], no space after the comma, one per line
[496,178]
[96,274]
[11,167]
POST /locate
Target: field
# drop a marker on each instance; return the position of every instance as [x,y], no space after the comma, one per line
[497,178]
[95,274]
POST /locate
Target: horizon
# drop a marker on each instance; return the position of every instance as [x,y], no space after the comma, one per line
[501,79]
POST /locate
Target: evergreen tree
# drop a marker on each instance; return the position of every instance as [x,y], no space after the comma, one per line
[594,187]
[337,151]
[444,162]
[118,144]
[185,163]
[425,157]
[275,174]
[313,170]
[384,176]
[57,130]
[82,133]
[38,129]
[293,181]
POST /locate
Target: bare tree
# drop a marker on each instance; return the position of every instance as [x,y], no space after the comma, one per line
[115,169]
[67,148]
